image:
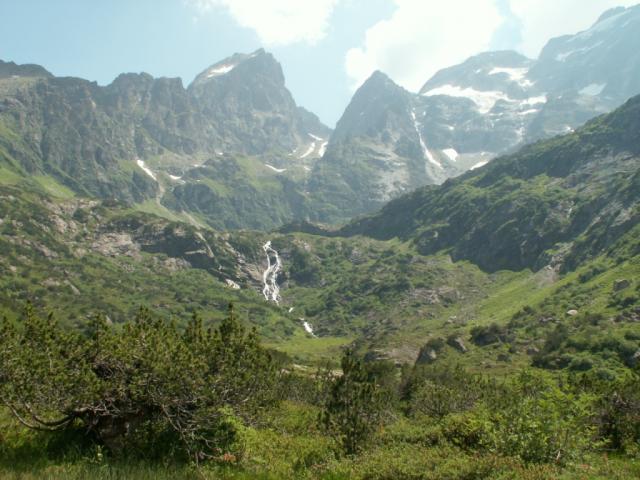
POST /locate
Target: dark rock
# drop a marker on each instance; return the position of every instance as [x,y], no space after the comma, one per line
[457,343]
[620,284]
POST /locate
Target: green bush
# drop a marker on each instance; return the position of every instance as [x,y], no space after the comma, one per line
[535,420]
[439,390]
[353,408]
[178,390]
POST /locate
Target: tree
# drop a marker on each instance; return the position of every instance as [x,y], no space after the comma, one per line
[148,373]
[352,411]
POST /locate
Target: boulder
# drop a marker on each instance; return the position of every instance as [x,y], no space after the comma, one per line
[620,284]
[458,344]
[572,313]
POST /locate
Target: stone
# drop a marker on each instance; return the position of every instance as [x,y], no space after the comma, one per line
[572,313]
[458,344]
[620,284]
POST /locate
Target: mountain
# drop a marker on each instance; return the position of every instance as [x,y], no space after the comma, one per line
[555,202]
[374,152]
[245,100]
[138,139]
[468,114]
[531,258]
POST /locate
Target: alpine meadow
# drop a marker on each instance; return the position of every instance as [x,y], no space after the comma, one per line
[206,280]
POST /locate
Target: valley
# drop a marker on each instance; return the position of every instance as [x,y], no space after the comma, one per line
[209,279]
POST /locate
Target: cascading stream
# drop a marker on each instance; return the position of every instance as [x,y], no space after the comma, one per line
[271,290]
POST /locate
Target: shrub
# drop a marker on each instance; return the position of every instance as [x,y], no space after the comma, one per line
[353,408]
[438,391]
[487,335]
[147,376]
[535,420]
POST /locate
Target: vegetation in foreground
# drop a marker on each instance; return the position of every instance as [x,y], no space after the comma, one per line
[148,400]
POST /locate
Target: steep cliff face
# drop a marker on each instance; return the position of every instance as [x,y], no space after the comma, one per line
[245,100]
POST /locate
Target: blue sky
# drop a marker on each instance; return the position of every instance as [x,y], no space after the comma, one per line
[326,47]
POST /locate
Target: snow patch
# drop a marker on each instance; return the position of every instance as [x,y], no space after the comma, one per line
[451,153]
[323,149]
[535,100]
[312,147]
[220,70]
[562,57]
[277,170]
[593,90]
[146,169]
[515,75]
[174,178]
[425,151]
[315,137]
[479,164]
[484,100]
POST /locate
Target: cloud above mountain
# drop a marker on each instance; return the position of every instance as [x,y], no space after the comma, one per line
[422,37]
[277,22]
[542,20]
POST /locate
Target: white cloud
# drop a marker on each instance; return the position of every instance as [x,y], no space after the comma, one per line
[544,19]
[277,22]
[422,37]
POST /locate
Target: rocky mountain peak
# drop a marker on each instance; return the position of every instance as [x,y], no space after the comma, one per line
[11,69]
[242,67]
[376,105]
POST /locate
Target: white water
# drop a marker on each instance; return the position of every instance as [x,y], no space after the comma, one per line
[307,327]
[271,290]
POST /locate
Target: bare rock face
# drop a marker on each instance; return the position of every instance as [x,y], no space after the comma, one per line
[116,244]
[458,344]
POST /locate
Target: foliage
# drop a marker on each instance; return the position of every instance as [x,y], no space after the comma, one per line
[352,411]
[534,419]
[146,376]
[437,391]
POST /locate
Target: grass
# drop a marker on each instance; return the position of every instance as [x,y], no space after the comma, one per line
[290,444]
[9,177]
[52,187]
[308,350]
